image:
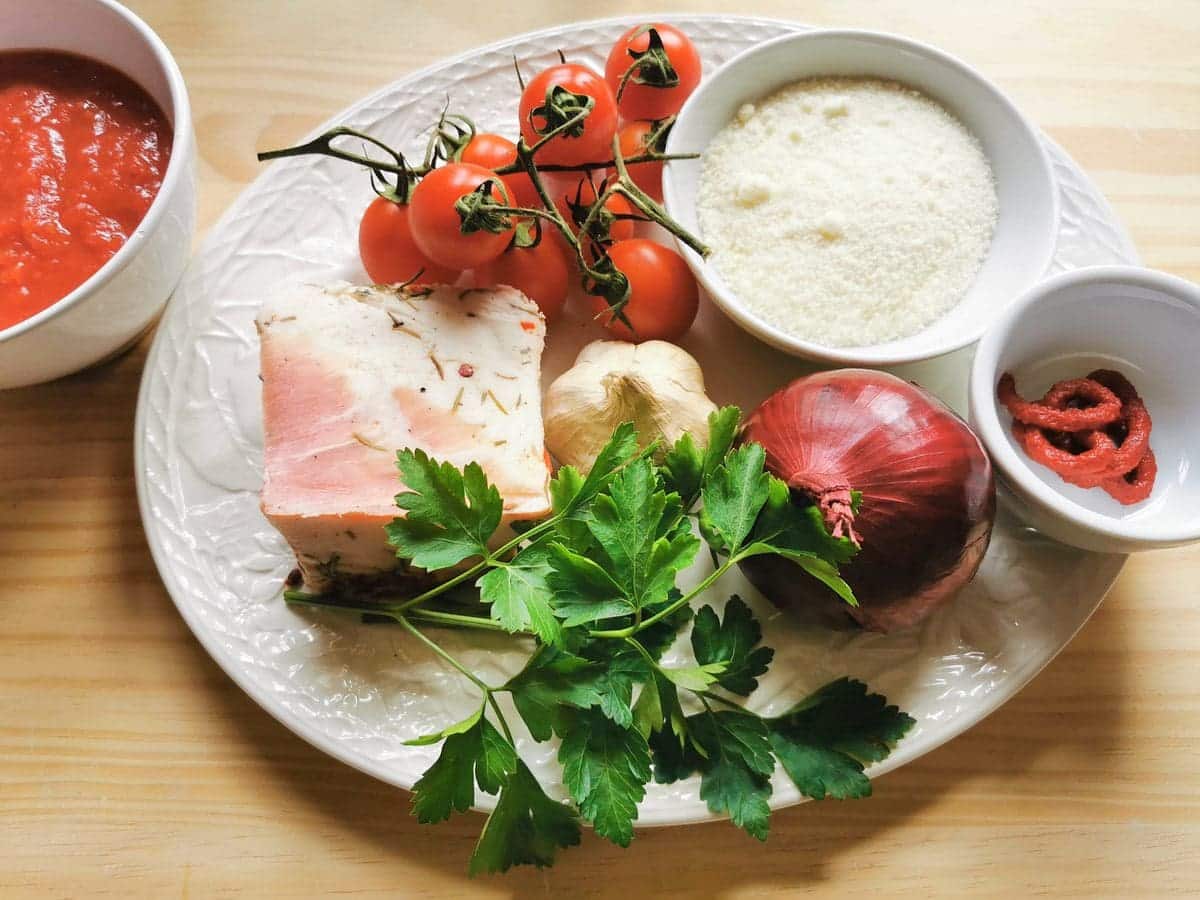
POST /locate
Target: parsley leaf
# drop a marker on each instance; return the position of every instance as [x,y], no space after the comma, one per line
[610,554]
[478,754]
[635,524]
[733,641]
[457,728]
[618,668]
[797,533]
[784,525]
[497,759]
[728,785]
[642,540]
[451,514]
[552,679]
[605,768]
[674,759]
[735,775]
[733,497]
[658,638]
[722,429]
[621,447]
[648,716]
[564,488]
[732,751]
[657,710]
[520,595]
[736,733]
[526,827]
[825,740]
[695,678]
[584,591]
[685,467]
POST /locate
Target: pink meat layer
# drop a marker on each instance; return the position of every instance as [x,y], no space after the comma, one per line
[351,375]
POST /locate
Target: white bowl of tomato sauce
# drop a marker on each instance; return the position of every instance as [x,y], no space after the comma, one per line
[98,164]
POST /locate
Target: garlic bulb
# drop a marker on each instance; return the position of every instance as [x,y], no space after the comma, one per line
[655,385]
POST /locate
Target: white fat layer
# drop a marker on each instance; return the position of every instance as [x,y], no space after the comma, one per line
[468,365]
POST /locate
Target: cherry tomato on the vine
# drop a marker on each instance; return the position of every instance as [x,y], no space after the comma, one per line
[543,107]
[388,251]
[647,176]
[492,152]
[539,272]
[663,297]
[652,99]
[619,229]
[437,226]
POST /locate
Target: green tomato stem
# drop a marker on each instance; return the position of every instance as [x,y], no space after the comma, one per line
[647,157]
[648,205]
[563,126]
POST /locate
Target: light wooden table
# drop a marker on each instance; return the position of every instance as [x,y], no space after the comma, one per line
[130,765]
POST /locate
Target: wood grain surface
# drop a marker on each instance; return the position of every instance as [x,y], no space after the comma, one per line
[131,766]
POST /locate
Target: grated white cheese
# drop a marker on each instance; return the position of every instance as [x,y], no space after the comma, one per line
[847,211]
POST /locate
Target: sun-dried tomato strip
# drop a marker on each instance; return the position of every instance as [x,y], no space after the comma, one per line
[1134,422]
[1114,455]
[1095,461]
[1102,408]
[1117,383]
[1135,486]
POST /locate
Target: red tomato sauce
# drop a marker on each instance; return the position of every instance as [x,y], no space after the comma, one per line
[83,150]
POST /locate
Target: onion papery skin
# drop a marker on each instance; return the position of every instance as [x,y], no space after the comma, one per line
[928,494]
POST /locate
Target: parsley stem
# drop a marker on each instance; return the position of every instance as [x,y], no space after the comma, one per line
[491,699]
[437,617]
[419,635]
[433,616]
[637,645]
[709,695]
[300,598]
[668,610]
[439,589]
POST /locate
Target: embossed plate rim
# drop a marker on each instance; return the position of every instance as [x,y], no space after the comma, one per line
[692,811]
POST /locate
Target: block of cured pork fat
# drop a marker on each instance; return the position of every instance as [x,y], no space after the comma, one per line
[352,374]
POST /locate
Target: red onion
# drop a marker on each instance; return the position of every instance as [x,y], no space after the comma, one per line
[928,498]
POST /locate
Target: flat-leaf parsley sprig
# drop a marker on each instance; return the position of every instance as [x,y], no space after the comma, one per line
[594,586]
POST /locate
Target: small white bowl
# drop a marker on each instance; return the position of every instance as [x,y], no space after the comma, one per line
[119,301]
[1026,230]
[1142,323]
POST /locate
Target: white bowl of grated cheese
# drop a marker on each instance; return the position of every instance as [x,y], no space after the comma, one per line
[868,200]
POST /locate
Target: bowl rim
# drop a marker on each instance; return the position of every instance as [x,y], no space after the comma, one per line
[181,140]
[985,413]
[867,354]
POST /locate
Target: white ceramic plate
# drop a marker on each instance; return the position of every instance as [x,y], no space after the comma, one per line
[357,691]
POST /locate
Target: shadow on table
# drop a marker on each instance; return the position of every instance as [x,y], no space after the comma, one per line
[1071,712]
